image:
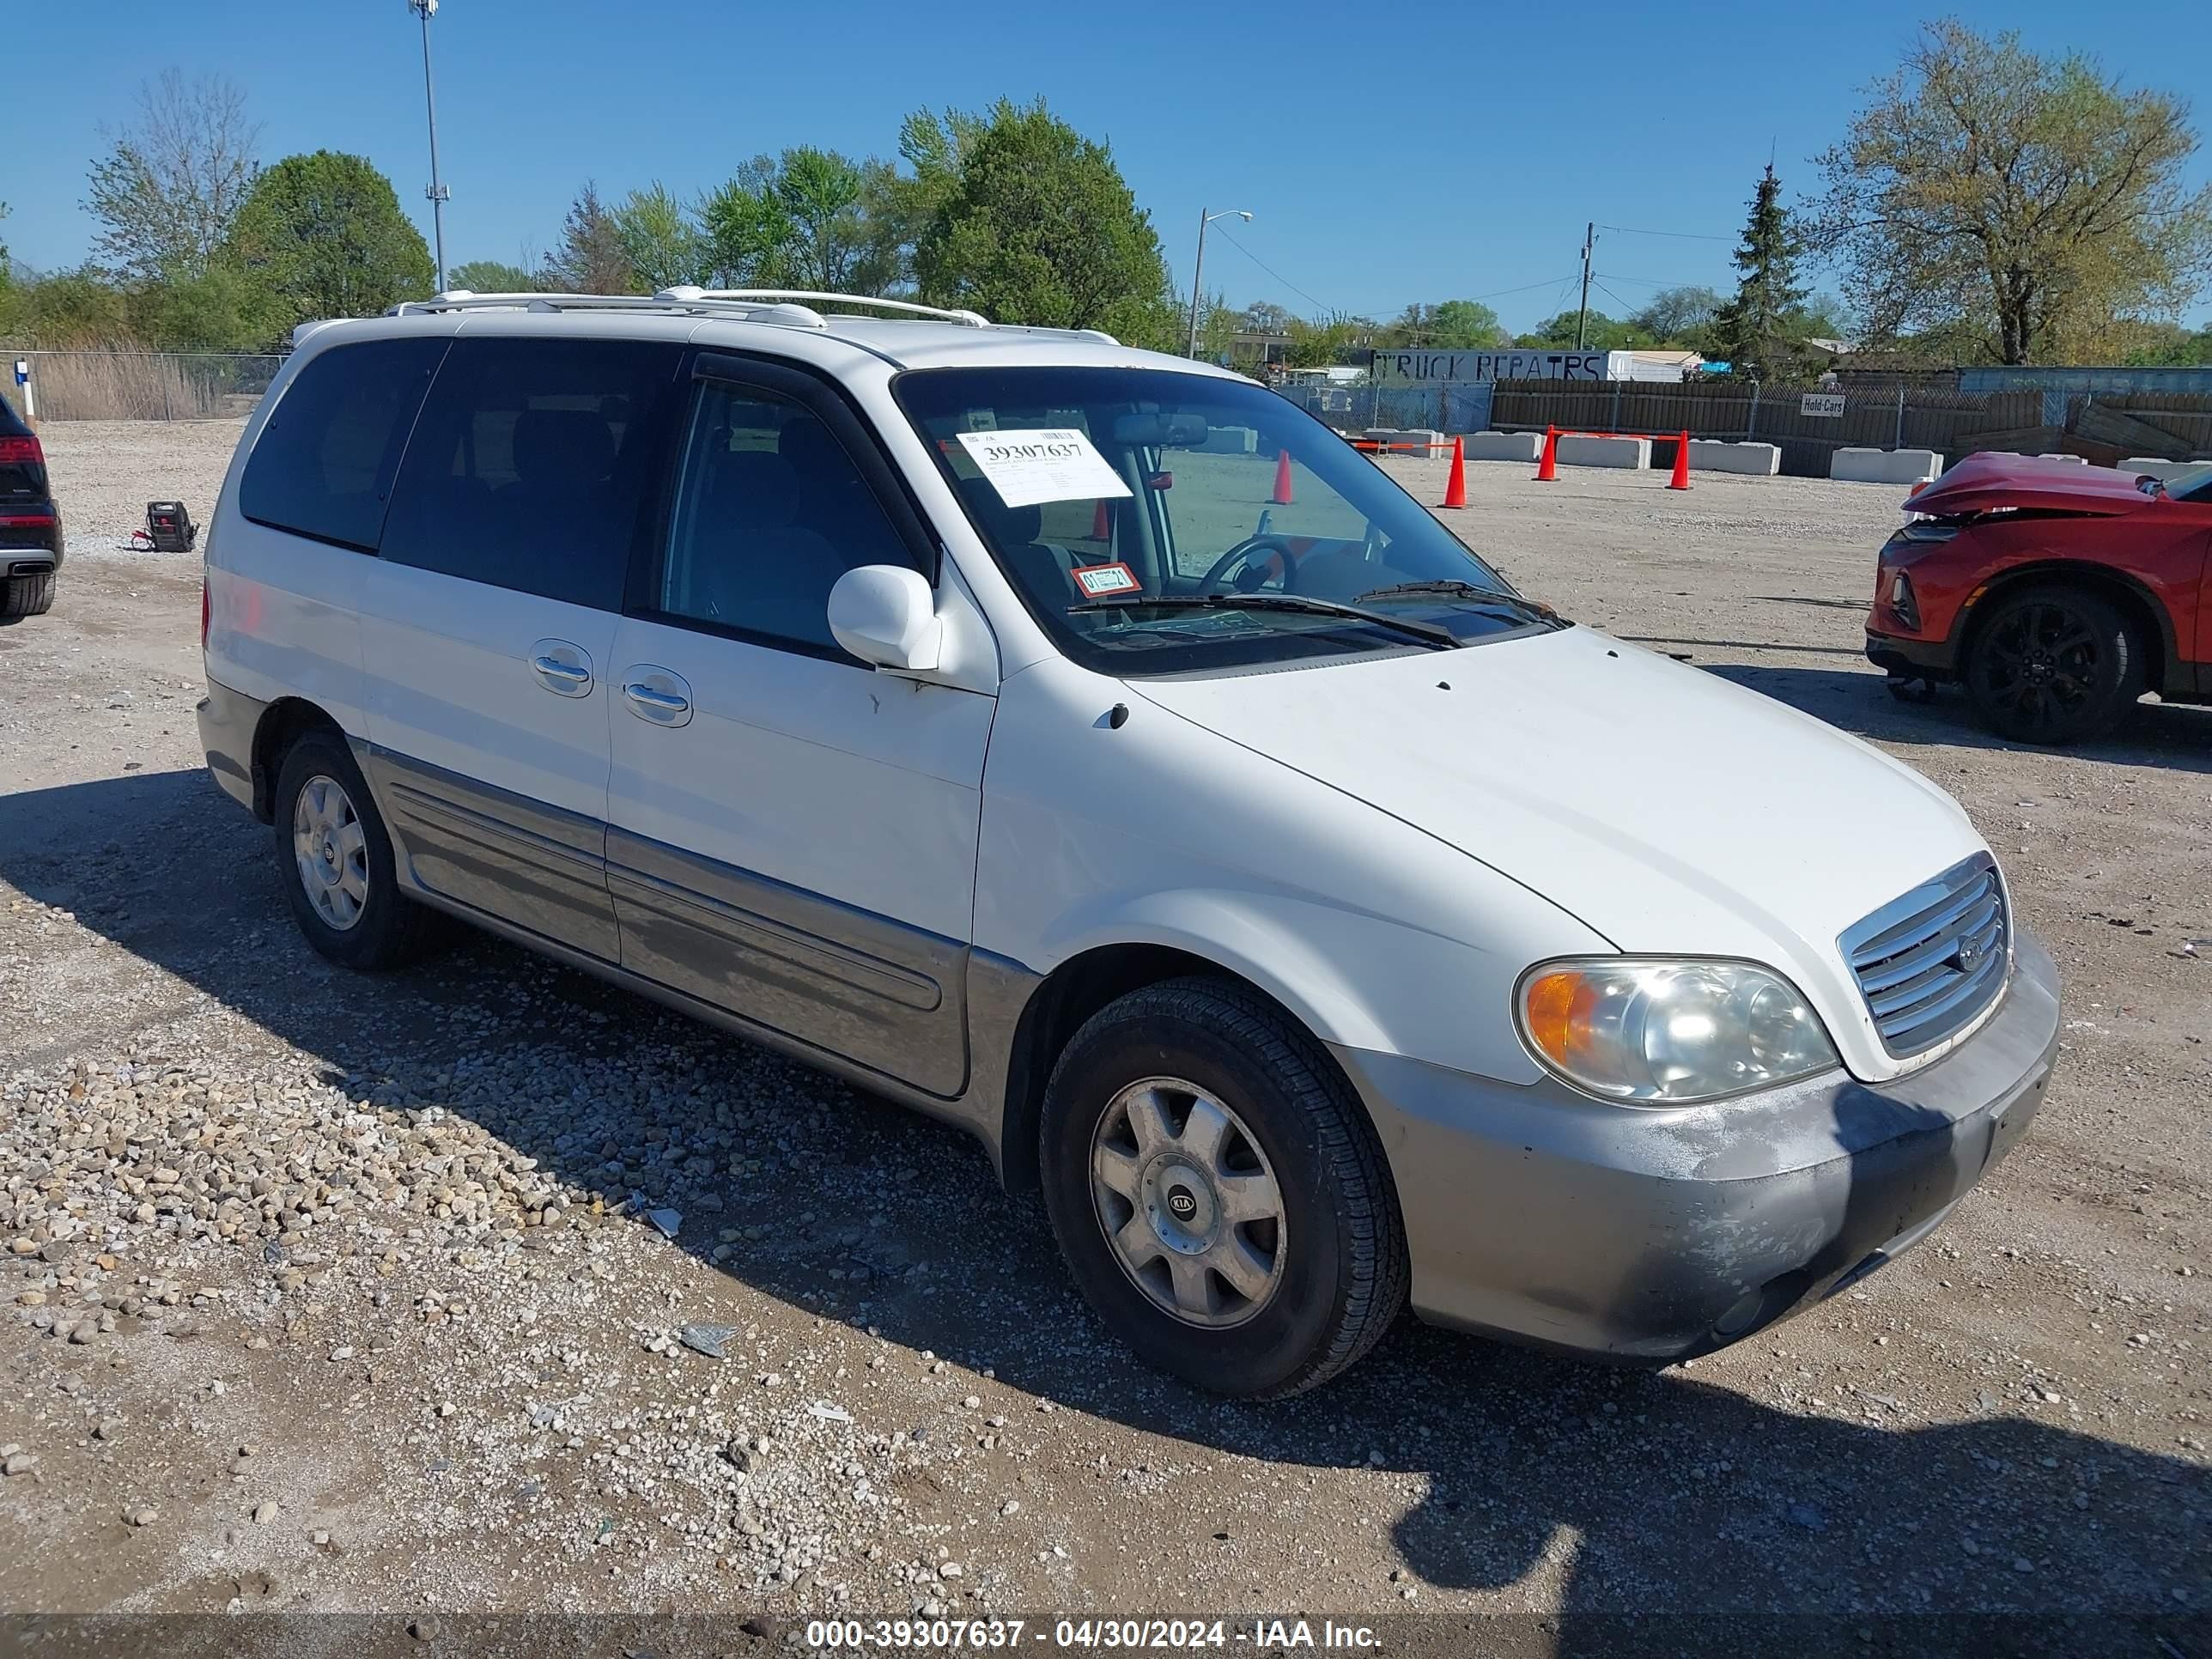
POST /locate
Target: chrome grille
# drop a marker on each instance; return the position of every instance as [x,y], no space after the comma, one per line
[1930,963]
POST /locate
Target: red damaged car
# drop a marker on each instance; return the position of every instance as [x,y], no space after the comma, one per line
[2056,593]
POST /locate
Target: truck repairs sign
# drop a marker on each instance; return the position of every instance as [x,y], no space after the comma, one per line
[1448,367]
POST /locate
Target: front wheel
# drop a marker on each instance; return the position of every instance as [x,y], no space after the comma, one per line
[2053,665]
[1218,1193]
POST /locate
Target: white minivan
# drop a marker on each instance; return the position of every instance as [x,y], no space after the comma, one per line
[1088,748]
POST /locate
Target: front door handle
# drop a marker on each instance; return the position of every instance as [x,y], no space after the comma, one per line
[562,667]
[656,695]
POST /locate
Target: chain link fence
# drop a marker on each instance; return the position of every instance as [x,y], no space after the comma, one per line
[1809,424]
[142,386]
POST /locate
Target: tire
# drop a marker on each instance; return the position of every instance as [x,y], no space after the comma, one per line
[1321,1280]
[359,918]
[26,596]
[2054,665]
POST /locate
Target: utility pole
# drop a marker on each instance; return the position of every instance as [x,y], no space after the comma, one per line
[1198,274]
[437,192]
[1582,322]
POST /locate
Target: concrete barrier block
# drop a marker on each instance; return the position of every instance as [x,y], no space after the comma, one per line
[1504,445]
[1885,465]
[1718,455]
[1402,440]
[1575,449]
[1229,441]
[2157,468]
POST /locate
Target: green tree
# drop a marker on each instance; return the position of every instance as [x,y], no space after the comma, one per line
[1603,333]
[1042,228]
[222,309]
[172,181]
[324,235]
[2030,203]
[590,259]
[810,219]
[1753,332]
[1453,325]
[748,232]
[1218,324]
[1678,316]
[660,243]
[493,277]
[70,307]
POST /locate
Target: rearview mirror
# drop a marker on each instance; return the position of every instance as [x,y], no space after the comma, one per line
[1154,429]
[885,614]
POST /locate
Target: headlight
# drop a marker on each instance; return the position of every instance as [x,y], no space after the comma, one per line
[1653,1032]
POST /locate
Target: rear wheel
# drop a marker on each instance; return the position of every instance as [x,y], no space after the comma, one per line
[1218,1191]
[26,596]
[336,862]
[2054,665]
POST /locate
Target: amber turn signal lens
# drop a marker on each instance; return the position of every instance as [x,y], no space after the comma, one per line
[1560,1003]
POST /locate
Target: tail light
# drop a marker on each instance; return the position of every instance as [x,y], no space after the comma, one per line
[21,451]
[204,613]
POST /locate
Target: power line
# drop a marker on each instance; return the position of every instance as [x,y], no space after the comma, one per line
[1272,271]
[1649,282]
[1681,235]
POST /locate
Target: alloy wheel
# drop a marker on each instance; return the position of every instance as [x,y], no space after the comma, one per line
[332,851]
[1189,1202]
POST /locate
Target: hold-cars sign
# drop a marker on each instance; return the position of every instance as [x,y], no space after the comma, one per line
[1822,405]
[1445,367]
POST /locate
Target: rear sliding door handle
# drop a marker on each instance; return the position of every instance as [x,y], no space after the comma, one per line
[562,667]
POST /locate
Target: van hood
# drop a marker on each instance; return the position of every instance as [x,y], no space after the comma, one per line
[1668,810]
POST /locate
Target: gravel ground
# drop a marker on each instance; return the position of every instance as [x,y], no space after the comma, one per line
[368,1294]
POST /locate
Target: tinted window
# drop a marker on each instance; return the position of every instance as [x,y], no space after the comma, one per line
[532,465]
[324,464]
[769,512]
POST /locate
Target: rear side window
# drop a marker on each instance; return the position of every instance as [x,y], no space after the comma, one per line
[533,464]
[324,462]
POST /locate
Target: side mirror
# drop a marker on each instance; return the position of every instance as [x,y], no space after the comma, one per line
[885,614]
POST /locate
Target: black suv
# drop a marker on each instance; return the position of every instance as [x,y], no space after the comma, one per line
[30,523]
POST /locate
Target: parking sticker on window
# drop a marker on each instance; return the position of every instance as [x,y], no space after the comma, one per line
[1100,581]
[1051,465]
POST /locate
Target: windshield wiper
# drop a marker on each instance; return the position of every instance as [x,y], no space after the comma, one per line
[1454,589]
[1431,632]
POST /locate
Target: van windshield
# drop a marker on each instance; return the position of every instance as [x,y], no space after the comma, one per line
[1158,522]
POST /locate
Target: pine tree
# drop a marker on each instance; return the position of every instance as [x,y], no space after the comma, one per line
[1753,330]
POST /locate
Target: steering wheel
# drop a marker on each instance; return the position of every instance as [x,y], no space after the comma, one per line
[1240,554]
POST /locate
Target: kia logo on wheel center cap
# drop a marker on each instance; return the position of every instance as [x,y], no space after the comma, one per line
[1182,1205]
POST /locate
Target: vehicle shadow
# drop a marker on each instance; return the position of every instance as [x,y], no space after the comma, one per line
[1656,1512]
[2171,736]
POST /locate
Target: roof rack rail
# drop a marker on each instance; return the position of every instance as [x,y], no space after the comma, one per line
[785,306]
[800,295]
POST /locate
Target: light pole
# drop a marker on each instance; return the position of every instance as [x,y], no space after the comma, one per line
[439,194]
[1198,275]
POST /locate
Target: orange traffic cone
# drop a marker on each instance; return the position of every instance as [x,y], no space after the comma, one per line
[1456,483]
[1681,478]
[1547,469]
[1282,496]
[1102,521]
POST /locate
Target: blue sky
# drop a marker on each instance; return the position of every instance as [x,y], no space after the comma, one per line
[1448,149]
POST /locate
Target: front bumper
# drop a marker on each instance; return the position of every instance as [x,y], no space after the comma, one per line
[1536,1213]
[1894,653]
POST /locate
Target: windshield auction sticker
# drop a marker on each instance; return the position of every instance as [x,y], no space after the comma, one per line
[1052,464]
